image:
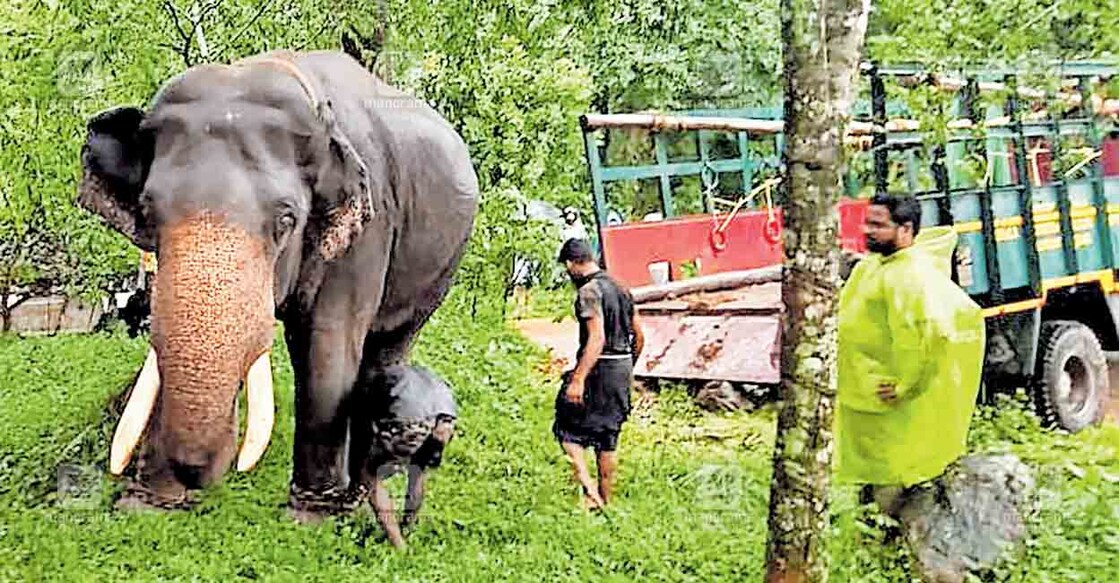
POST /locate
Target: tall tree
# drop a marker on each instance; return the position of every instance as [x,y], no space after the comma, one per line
[822,44]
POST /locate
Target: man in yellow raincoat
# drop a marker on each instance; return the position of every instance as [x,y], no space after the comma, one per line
[911,345]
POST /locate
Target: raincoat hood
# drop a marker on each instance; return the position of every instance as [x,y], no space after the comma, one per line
[903,322]
[937,243]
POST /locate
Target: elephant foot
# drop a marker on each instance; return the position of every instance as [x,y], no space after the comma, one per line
[306,517]
[139,498]
[312,507]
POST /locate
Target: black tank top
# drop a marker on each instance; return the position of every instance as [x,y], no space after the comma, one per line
[616,307]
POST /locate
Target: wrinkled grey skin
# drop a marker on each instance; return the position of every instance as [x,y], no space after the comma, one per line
[249,145]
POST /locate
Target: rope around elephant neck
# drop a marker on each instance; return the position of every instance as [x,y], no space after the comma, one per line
[284,61]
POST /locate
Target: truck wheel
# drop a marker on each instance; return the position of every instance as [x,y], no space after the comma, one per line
[1071,388]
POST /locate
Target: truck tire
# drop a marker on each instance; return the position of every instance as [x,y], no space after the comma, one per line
[1071,387]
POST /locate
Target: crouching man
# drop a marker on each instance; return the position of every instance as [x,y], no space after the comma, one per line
[411,419]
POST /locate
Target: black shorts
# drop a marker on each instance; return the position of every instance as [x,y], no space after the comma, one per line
[598,421]
[602,441]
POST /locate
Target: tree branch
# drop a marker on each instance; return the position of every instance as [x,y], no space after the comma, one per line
[187,38]
[174,12]
[311,38]
[196,21]
[183,50]
[245,28]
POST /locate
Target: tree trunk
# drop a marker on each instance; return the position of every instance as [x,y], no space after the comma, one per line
[822,43]
[5,314]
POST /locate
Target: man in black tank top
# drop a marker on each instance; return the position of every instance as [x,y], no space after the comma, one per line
[593,402]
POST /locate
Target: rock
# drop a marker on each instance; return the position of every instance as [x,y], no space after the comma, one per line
[969,517]
[722,396]
[759,395]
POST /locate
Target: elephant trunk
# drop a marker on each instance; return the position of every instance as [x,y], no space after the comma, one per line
[212,327]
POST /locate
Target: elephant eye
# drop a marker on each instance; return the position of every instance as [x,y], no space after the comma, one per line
[285,224]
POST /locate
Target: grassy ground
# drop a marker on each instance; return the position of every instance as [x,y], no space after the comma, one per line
[691,506]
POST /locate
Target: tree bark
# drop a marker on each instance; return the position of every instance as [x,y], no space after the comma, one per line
[822,44]
[5,313]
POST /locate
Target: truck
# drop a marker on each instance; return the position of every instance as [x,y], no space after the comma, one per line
[1028,177]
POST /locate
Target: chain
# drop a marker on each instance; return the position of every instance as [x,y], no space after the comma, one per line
[710,180]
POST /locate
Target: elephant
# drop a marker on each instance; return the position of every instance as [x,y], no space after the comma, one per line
[292,187]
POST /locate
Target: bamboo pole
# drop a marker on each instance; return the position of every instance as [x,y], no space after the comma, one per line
[659,122]
[656,121]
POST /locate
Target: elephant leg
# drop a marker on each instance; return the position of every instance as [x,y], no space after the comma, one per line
[325,370]
[326,350]
[382,350]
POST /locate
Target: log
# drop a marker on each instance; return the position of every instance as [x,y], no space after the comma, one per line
[707,283]
[659,122]
[679,123]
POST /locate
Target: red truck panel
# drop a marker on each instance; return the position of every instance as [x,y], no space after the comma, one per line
[1111,156]
[630,248]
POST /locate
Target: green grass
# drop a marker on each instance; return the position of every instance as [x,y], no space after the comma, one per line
[691,506]
[541,302]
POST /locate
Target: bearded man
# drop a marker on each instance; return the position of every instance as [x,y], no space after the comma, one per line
[910,352]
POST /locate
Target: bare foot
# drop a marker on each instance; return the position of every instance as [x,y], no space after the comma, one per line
[398,543]
[592,501]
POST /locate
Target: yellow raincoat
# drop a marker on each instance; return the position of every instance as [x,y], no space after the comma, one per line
[902,320]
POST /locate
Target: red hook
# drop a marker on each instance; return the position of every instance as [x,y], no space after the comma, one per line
[719,239]
[772,230]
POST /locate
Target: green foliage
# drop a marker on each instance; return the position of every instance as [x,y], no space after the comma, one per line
[511,94]
[947,33]
[511,76]
[686,54]
[514,78]
[45,82]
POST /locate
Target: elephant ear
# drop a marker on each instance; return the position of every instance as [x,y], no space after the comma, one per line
[116,157]
[344,201]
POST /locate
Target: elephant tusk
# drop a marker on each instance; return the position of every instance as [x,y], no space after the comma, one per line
[258,386]
[136,413]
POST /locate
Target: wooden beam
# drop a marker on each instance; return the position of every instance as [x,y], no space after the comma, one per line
[707,283]
[659,122]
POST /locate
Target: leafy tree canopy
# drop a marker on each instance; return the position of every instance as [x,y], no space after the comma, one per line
[512,76]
